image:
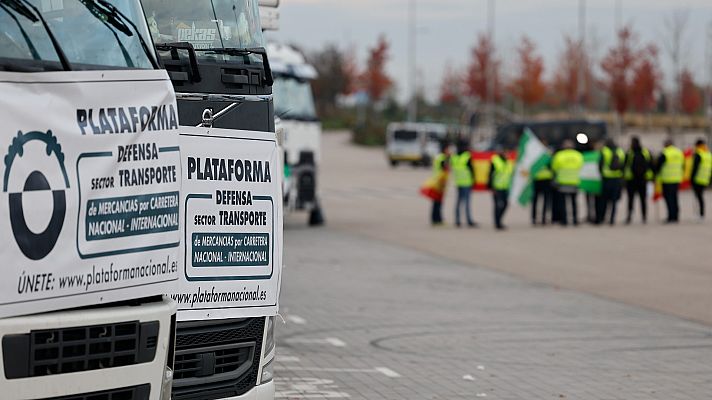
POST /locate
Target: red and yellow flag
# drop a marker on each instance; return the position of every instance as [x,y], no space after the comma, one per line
[434,187]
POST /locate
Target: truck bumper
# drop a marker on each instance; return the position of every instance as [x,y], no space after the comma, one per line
[143,380]
[260,392]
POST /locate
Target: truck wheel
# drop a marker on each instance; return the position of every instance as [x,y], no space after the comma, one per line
[316,218]
[394,163]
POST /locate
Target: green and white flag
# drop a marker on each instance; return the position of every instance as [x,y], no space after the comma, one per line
[532,156]
[590,174]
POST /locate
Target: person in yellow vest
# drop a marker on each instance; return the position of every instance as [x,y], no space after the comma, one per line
[566,166]
[542,189]
[611,166]
[670,169]
[463,172]
[440,171]
[500,179]
[701,174]
[638,172]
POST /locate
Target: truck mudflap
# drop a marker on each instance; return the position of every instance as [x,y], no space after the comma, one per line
[70,355]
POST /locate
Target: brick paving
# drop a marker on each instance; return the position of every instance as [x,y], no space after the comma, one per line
[370,320]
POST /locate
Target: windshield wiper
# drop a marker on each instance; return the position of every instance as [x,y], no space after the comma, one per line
[20,9]
[108,18]
[28,42]
[108,14]
[233,51]
[29,11]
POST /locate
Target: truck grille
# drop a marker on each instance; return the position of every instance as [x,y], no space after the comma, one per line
[142,392]
[217,360]
[212,360]
[77,349]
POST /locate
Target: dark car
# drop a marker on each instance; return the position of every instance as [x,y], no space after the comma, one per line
[552,133]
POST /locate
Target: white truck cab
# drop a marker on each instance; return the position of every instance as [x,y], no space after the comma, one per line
[88,211]
[231,221]
[294,106]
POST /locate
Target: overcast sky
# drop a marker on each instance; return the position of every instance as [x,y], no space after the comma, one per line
[448,29]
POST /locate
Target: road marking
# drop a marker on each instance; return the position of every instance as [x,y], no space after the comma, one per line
[336,342]
[296,319]
[388,372]
[308,388]
[380,370]
[319,369]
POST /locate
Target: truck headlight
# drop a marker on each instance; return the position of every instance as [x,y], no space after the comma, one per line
[267,372]
[269,337]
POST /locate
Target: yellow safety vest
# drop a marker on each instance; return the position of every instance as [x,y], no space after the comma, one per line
[704,170]
[438,164]
[502,175]
[544,174]
[464,176]
[673,169]
[629,165]
[607,155]
[567,165]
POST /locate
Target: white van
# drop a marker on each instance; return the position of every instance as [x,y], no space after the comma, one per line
[416,143]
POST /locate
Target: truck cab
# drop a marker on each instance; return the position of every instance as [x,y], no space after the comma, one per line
[295,108]
[215,54]
[82,310]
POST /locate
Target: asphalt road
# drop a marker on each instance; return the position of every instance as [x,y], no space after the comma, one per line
[378,305]
[665,268]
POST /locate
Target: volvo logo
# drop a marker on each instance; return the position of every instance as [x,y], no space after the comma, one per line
[43,157]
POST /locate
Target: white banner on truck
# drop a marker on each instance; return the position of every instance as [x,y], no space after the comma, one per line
[231,250]
[89,211]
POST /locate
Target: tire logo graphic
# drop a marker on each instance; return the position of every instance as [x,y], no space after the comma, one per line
[36,246]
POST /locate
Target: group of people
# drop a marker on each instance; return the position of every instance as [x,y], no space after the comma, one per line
[556,186]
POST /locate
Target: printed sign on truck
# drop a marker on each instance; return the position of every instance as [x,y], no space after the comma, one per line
[231,250]
[91,176]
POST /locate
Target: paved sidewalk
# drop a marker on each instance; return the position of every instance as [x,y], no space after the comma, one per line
[371,320]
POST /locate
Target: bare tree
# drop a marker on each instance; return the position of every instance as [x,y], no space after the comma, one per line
[675,26]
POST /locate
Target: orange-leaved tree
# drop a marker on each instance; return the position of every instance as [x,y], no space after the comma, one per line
[573,78]
[374,79]
[333,78]
[451,86]
[528,85]
[618,67]
[350,72]
[690,97]
[483,68]
[646,79]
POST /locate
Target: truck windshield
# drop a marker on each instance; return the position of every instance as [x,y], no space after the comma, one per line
[206,24]
[293,99]
[89,33]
